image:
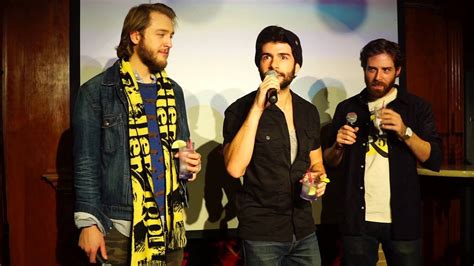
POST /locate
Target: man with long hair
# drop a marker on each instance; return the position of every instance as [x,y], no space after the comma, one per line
[129,199]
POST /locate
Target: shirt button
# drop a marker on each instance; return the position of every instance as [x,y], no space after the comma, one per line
[361,188]
[362,207]
[106,123]
[362,166]
[267,137]
[363,144]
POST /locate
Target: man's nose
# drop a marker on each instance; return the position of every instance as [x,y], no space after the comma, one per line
[378,75]
[274,64]
[169,42]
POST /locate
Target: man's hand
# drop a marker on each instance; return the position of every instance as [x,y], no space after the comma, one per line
[346,135]
[269,82]
[391,120]
[193,160]
[91,240]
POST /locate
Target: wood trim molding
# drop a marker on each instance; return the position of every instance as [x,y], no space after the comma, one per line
[60,180]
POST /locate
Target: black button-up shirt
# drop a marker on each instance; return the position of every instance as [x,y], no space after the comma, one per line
[404,181]
[269,206]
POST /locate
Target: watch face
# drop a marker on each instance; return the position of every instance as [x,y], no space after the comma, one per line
[408,132]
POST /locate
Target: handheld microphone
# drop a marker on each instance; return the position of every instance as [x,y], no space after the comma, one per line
[272,95]
[351,118]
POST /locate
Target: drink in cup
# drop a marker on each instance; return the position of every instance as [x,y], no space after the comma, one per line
[185,148]
[308,187]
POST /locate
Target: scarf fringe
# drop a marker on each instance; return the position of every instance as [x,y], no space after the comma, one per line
[178,237]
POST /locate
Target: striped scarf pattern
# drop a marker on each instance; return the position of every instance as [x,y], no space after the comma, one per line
[150,237]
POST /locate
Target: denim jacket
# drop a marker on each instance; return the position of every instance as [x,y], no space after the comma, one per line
[101,147]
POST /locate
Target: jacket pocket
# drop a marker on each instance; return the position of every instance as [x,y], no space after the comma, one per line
[113,132]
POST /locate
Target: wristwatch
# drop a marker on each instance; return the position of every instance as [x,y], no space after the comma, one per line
[408,134]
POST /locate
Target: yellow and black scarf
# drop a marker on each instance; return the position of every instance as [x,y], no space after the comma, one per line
[150,238]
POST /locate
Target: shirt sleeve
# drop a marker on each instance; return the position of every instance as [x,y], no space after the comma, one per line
[428,133]
[233,120]
[84,219]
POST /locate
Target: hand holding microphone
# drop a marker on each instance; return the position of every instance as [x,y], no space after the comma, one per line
[346,135]
[272,94]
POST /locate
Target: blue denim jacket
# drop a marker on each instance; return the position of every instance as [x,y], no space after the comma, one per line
[101,150]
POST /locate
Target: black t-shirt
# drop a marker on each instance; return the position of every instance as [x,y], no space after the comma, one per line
[269,206]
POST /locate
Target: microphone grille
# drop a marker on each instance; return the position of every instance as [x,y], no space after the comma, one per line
[272,73]
[351,118]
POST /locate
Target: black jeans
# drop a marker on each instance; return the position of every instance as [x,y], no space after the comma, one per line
[362,250]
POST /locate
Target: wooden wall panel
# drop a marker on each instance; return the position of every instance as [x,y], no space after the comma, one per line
[35,116]
[3,214]
[434,71]
[426,61]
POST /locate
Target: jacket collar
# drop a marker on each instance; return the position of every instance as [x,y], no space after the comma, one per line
[112,75]
[402,95]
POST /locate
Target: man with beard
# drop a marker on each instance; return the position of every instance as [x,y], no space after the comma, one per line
[379,153]
[129,200]
[272,146]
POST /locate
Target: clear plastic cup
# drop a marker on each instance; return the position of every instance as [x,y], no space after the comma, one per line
[308,187]
[184,173]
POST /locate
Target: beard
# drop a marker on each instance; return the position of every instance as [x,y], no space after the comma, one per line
[288,77]
[376,94]
[148,58]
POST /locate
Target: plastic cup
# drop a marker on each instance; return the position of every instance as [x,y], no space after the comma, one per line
[184,173]
[308,187]
[378,121]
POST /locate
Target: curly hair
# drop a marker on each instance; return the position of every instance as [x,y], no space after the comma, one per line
[381,46]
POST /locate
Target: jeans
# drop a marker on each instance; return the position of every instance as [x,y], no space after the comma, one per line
[297,252]
[363,250]
[118,250]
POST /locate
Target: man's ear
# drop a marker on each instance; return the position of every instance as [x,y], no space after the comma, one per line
[135,37]
[399,69]
[297,68]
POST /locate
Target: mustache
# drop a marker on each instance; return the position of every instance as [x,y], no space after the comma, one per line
[377,83]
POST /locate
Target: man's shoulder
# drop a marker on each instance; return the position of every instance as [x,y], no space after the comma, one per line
[360,98]
[413,99]
[176,86]
[300,100]
[243,103]
[108,77]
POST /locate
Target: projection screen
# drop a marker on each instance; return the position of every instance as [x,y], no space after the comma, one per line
[213,60]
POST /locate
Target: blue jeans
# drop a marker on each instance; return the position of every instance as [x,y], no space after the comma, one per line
[363,250]
[297,252]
